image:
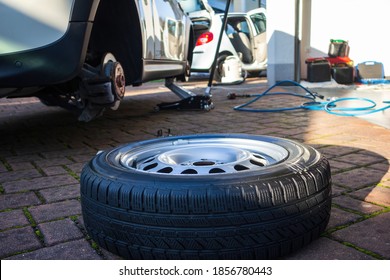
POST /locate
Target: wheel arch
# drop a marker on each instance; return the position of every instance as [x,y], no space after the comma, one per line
[191,45]
[117,29]
[225,52]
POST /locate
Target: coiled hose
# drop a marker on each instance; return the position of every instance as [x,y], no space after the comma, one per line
[327,106]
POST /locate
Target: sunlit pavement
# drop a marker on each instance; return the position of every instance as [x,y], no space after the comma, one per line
[43,150]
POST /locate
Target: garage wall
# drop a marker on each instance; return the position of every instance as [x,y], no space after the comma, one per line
[365,24]
[281,40]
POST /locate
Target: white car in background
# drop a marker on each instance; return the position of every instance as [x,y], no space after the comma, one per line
[244,39]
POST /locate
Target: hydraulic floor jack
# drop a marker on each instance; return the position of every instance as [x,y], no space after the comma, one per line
[188,101]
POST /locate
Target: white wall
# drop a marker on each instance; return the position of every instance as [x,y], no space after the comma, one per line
[364,24]
[280,40]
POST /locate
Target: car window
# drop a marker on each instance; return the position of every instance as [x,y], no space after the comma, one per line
[243,27]
[190,6]
[237,24]
[259,21]
[229,29]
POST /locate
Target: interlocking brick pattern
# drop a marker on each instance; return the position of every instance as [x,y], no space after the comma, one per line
[44,148]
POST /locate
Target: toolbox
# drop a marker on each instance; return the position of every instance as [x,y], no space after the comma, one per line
[318,70]
[370,72]
[343,73]
[338,48]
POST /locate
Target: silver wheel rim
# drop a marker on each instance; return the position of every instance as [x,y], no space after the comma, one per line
[201,156]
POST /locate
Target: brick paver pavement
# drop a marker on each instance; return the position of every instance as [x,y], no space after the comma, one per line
[44,148]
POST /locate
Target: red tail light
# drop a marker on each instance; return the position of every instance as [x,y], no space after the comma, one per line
[205,38]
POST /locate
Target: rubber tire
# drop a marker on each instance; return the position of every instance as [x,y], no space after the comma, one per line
[243,215]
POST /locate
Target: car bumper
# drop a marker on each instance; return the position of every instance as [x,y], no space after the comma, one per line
[51,64]
[199,63]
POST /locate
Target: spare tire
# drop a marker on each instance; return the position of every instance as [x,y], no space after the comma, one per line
[214,196]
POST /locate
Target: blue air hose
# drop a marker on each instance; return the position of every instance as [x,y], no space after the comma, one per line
[309,95]
[331,108]
[328,106]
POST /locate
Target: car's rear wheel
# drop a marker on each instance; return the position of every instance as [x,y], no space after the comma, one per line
[216,196]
